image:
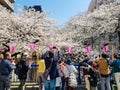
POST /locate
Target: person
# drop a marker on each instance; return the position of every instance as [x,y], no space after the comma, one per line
[85,62]
[29,78]
[59,77]
[13,67]
[51,60]
[40,71]
[94,74]
[104,72]
[70,69]
[22,67]
[116,66]
[5,71]
[62,65]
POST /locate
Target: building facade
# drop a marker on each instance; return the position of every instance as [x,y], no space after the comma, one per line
[94,4]
[8,4]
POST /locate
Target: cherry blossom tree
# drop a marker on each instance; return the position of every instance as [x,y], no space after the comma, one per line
[94,27]
[21,30]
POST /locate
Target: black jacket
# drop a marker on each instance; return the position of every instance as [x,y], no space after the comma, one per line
[23,69]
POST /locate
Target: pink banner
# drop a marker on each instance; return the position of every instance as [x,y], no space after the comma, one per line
[70,49]
[32,46]
[105,49]
[12,48]
[88,49]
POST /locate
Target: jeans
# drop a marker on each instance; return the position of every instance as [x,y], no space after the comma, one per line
[5,82]
[117,79]
[22,85]
[50,84]
[105,81]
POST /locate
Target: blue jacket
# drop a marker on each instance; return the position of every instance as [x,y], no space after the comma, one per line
[5,67]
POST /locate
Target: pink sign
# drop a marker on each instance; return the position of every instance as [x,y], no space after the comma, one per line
[105,49]
[70,49]
[88,49]
[12,48]
[32,46]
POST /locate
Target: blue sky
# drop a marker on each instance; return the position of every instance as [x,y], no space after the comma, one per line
[60,10]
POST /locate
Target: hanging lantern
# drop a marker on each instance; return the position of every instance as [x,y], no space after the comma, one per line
[32,46]
[88,49]
[12,48]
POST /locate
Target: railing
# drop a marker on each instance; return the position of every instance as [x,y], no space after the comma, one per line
[31,77]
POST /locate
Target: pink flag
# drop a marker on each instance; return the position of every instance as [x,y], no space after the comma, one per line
[32,46]
[12,48]
[105,49]
[50,47]
[70,49]
[88,49]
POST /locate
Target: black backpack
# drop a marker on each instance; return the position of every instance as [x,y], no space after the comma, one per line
[18,68]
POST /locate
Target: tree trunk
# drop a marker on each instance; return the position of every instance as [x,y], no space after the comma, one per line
[118,31]
[119,38]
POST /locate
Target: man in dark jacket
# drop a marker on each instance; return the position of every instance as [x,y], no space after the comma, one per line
[52,57]
[22,67]
[5,72]
[84,64]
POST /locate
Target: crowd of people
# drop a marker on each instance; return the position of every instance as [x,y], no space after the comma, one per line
[58,71]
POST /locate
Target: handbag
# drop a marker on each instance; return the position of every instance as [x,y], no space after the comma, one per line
[72,80]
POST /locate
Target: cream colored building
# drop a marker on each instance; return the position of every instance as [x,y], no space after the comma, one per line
[8,4]
[94,4]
